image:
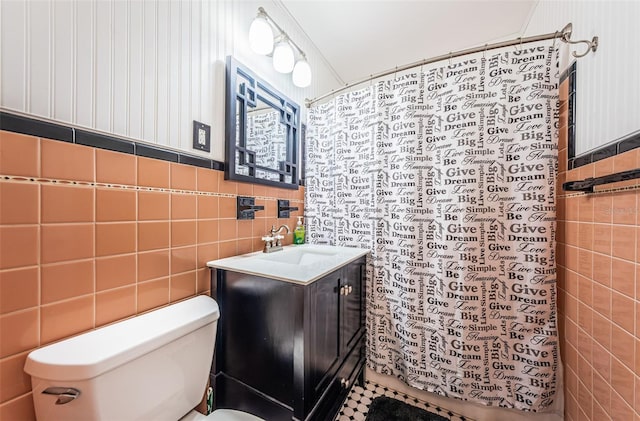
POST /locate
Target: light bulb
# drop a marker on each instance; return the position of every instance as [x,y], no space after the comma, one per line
[283,59]
[301,74]
[261,36]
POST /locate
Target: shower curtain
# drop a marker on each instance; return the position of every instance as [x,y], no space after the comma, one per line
[447,174]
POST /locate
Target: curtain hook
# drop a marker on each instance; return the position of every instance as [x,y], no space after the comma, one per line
[555,36]
[484,52]
[450,55]
[520,48]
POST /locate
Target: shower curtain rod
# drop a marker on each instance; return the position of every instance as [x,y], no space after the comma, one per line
[564,35]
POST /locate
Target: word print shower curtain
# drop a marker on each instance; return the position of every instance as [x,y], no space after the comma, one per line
[448,176]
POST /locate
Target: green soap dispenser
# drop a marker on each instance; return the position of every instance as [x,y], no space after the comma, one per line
[298,233]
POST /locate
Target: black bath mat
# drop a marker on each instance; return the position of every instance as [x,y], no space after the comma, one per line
[383,408]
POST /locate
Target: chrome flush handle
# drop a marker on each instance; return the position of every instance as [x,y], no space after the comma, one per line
[64,394]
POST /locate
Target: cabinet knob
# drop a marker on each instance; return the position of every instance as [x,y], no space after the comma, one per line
[344,383]
[343,290]
[349,289]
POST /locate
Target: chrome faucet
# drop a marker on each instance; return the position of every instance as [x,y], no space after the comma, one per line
[273,241]
[275,231]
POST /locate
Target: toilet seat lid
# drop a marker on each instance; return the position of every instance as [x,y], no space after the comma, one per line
[221,415]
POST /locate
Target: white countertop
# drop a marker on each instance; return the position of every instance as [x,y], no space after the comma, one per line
[300,264]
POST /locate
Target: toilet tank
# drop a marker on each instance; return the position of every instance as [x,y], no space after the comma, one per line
[150,367]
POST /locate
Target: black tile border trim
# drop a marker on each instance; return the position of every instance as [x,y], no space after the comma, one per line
[156,153]
[104,142]
[34,127]
[616,148]
[24,125]
[195,161]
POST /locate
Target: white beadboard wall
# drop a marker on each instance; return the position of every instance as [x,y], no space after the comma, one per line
[608,86]
[141,69]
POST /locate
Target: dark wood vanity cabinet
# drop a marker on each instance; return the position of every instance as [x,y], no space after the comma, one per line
[288,351]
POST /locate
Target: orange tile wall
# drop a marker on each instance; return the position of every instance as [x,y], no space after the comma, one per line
[598,254]
[89,237]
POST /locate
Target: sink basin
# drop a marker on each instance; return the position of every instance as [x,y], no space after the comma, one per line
[298,256]
[299,264]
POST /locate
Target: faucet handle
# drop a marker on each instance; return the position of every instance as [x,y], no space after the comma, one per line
[269,242]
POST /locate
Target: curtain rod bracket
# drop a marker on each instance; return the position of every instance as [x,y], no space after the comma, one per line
[566,37]
[567,31]
[591,46]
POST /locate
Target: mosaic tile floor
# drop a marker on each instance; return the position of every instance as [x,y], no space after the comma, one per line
[357,404]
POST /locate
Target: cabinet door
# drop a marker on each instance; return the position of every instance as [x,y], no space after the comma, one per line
[352,295]
[257,328]
[323,309]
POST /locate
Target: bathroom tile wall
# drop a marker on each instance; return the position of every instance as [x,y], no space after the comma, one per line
[598,255]
[90,236]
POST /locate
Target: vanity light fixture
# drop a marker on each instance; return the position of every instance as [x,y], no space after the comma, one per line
[261,35]
[283,58]
[287,56]
[301,73]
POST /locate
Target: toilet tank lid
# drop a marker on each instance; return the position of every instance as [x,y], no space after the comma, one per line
[93,353]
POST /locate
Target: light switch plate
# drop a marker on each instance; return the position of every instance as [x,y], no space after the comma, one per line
[201,136]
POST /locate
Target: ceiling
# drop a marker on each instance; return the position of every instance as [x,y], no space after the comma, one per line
[359,38]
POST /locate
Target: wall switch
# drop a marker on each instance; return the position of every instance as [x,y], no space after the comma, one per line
[201,136]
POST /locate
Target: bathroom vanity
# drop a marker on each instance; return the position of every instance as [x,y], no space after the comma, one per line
[291,331]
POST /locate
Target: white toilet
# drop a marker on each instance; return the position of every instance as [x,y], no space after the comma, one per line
[150,367]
